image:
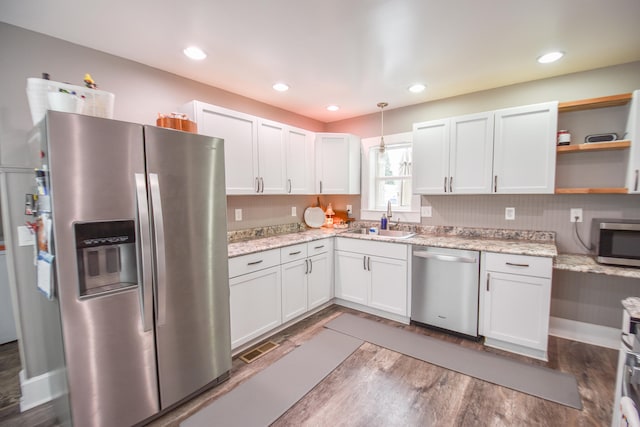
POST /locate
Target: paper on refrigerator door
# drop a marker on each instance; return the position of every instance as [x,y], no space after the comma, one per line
[43,272]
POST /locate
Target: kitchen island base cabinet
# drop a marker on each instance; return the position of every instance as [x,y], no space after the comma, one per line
[372,277]
[515,300]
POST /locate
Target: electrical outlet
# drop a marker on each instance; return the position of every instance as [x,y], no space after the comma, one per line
[575,213]
[510,213]
[294,211]
[425,211]
[349,209]
[238,214]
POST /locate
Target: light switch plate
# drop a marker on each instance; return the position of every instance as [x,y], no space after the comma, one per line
[294,211]
[425,211]
[510,214]
[238,214]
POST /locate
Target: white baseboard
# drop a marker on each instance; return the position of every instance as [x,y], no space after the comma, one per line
[603,336]
[41,389]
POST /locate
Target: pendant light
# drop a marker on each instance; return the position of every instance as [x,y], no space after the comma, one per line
[381,106]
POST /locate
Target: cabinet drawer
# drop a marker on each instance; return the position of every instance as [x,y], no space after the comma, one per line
[370,247]
[519,264]
[319,246]
[253,262]
[293,253]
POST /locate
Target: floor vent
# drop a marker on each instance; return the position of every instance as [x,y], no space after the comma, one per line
[258,352]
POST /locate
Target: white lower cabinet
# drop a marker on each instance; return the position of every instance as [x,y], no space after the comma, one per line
[373,275]
[272,287]
[515,303]
[255,300]
[306,281]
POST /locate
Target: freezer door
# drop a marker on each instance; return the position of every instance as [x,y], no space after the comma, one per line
[188,205]
[110,358]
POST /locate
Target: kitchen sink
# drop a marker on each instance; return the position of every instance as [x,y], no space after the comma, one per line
[396,234]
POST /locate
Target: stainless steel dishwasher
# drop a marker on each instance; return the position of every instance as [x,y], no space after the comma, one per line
[444,289]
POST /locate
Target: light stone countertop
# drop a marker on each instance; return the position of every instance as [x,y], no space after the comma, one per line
[514,242]
[509,246]
[588,264]
[632,305]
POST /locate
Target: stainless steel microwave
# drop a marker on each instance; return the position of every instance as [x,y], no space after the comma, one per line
[616,241]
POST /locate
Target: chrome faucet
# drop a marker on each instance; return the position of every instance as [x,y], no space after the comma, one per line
[389,215]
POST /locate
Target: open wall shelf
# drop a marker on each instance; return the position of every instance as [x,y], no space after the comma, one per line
[595,146]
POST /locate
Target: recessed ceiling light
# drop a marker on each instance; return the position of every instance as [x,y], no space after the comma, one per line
[417,88]
[195,53]
[333,108]
[281,87]
[550,57]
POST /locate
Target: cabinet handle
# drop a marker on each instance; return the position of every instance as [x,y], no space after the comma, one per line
[635,187]
[495,183]
[488,279]
[254,262]
[257,184]
[306,264]
[450,184]
[515,264]
[320,187]
[318,247]
[445,184]
[369,263]
[262,185]
[294,253]
[310,266]
[289,186]
[364,262]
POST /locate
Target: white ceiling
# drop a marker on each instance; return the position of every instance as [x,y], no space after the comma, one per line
[354,53]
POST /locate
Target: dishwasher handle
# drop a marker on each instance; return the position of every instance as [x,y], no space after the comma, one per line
[443,257]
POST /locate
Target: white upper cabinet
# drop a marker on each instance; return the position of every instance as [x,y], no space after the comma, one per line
[525,149]
[453,156]
[261,156]
[504,151]
[300,161]
[272,168]
[431,156]
[337,163]
[240,133]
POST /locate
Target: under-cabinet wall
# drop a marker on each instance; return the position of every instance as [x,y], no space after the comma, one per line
[532,212]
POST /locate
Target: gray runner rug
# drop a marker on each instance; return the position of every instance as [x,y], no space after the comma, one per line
[264,397]
[537,381]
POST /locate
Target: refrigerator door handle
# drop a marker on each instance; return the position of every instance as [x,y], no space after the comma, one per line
[146,290]
[158,233]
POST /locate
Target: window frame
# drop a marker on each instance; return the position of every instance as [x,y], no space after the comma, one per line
[368,182]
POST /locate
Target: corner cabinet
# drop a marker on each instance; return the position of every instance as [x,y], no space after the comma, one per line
[372,276]
[515,299]
[453,156]
[524,149]
[337,160]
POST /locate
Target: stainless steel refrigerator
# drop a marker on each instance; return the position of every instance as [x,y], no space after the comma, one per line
[140,273]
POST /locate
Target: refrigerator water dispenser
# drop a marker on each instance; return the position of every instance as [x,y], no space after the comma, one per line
[106,256]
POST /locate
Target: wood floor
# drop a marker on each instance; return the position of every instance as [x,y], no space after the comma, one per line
[378,387]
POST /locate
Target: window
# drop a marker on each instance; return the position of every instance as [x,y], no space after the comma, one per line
[386,176]
[392,176]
